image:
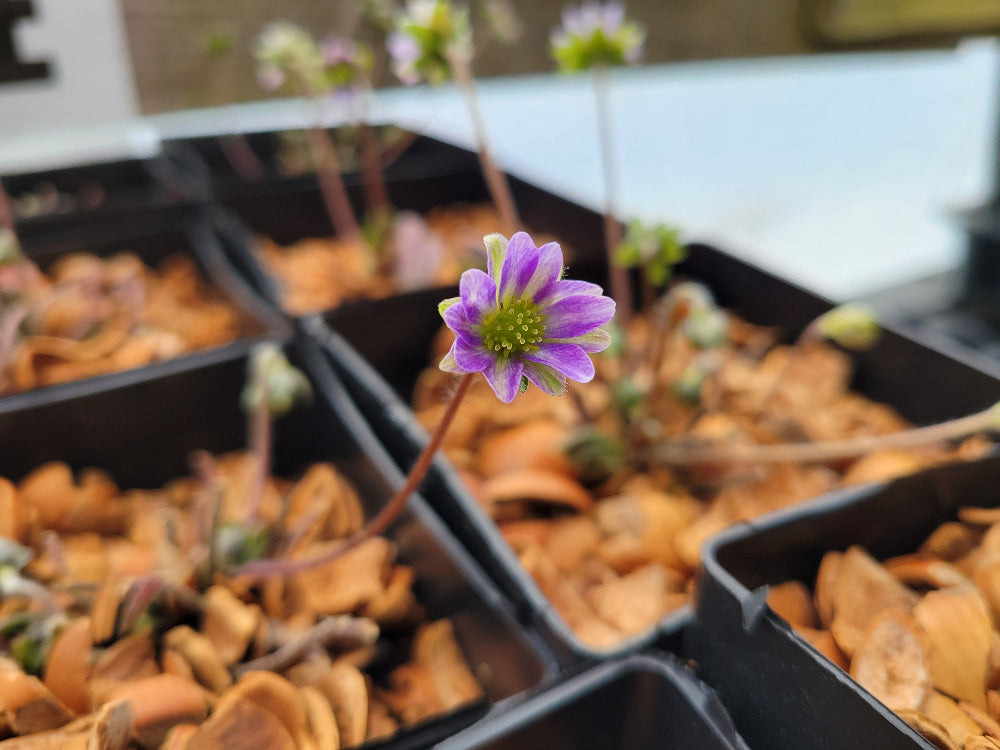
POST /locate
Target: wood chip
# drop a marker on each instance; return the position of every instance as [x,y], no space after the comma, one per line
[929,729]
[793,602]
[959,632]
[892,663]
[538,486]
[864,589]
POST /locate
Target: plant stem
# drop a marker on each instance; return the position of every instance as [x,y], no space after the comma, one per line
[829,450]
[621,291]
[381,522]
[371,171]
[259,431]
[6,210]
[496,181]
[338,205]
[241,157]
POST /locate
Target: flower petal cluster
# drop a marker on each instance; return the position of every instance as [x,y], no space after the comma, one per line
[521,321]
[596,34]
[426,33]
[287,53]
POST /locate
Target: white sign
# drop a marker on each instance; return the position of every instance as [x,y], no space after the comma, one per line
[89,84]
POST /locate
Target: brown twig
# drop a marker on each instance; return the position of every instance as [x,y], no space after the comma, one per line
[828,450]
[351,631]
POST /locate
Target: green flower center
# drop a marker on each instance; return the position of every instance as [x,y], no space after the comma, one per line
[514,329]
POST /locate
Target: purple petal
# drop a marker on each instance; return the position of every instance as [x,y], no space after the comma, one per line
[547,379]
[568,359]
[577,316]
[448,364]
[614,15]
[547,273]
[472,358]
[566,288]
[518,265]
[596,341]
[478,294]
[403,48]
[270,77]
[504,376]
[458,321]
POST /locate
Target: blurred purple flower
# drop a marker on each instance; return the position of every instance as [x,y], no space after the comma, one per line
[336,51]
[405,52]
[270,78]
[417,252]
[522,320]
[596,33]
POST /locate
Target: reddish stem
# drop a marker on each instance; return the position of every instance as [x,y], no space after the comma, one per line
[338,205]
[241,157]
[259,430]
[371,170]
[386,516]
[6,210]
[496,181]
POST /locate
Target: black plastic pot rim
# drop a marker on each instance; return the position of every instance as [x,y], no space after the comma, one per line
[699,695]
[753,603]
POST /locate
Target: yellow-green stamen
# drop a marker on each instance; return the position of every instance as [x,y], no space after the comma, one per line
[515,328]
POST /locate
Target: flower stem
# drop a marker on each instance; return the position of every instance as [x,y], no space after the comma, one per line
[376,194]
[348,631]
[6,210]
[338,206]
[381,522]
[241,157]
[828,450]
[621,291]
[259,431]
[496,181]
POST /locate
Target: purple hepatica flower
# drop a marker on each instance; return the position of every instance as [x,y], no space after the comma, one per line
[522,320]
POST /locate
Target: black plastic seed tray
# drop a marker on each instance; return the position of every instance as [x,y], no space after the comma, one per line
[641,703]
[437,175]
[231,166]
[154,236]
[779,690]
[70,196]
[380,348]
[142,434]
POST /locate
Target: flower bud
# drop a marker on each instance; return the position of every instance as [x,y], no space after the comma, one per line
[852,326]
[273,382]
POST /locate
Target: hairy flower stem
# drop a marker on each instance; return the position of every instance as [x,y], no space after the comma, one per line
[241,157]
[376,194]
[828,450]
[381,522]
[259,430]
[621,291]
[338,205]
[496,181]
[6,210]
